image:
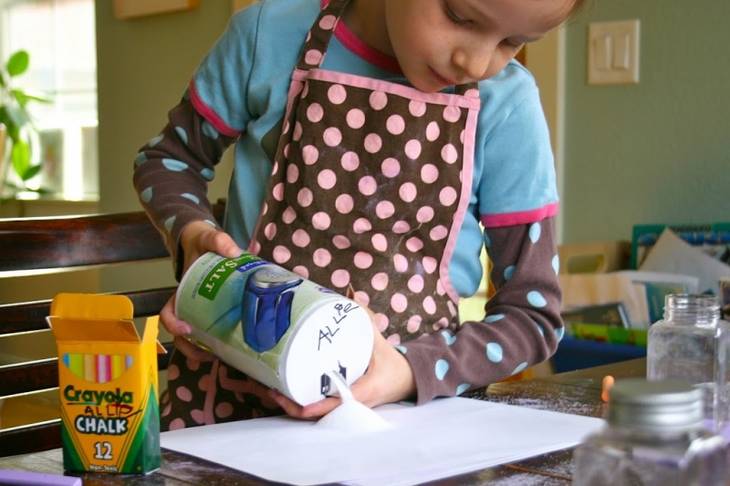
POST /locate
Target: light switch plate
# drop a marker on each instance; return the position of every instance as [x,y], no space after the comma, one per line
[613,52]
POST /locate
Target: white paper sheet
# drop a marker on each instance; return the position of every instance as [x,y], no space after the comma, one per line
[440,439]
[672,254]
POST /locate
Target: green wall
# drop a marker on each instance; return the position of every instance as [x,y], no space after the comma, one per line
[144,66]
[659,151]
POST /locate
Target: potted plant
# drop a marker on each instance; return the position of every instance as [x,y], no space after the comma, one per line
[16,127]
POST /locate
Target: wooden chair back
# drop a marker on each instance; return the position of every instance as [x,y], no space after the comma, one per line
[39,244]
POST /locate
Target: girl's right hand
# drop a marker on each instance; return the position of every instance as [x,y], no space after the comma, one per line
[196,238]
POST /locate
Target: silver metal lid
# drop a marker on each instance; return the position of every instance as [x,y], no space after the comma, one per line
[655,406]
[273,276]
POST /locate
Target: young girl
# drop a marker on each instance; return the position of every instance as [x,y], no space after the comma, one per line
[372,139]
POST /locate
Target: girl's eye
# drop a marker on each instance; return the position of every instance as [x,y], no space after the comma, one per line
[453,16]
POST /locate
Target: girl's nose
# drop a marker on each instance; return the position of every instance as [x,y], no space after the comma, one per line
[473,63]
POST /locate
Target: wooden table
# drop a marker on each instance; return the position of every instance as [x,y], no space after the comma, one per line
[576,392]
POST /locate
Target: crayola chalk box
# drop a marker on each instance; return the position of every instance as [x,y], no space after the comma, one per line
[108,387]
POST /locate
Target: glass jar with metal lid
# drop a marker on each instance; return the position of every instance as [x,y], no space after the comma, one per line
[692,343]
[654,436]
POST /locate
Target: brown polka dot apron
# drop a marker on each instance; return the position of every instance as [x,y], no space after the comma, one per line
[367,194]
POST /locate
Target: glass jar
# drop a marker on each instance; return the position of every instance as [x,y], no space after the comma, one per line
[692,344]
[654,436]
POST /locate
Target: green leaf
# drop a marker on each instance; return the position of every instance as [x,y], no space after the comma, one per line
[20,156]
[23,97]
[18,63]
[31,172]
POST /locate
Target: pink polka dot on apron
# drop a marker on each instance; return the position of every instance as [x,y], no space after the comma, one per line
[378,100]
[326,179]
[400,263]
[452,113]
[289,215]
[278,191]
[400,227]
[361,297]
[327,22]
[432,131]
[367,185]
[449,153]
[373,143]
[315,112]
[292,173]
[393,339]
[438,233]
[275,168]
[408,191]
[363,260]
[414,324]
[429,173]
[429,305]
[223,410]
[390,167]
[429,264]
[361,225]
[340,278]
[344,203]
[204,382]
[413,149]
[296,136]
[341,242]
[300,238]
[398,302]
[177,424]
[281,254]
[321,220]
[173,372]
[417,108]
[312,57]
[447,196]
[379,281]
[395,124]
[301,270]
[414,244]
[310,154]
[424,214]
[440,289]
[198,416]
[337,94]
[184,393]
[332,136]
[270,231]
[305,197]
[355,118]
[192,364]
[350,161]
[381,322]
[415,284]
[384,209]
[321,257]
[379,241]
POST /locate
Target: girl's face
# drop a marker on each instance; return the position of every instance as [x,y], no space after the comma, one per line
[440,43]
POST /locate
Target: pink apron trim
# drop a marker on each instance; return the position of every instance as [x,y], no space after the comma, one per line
[519,217]
[466,182]
[446,99]
[209,114]
[208,416]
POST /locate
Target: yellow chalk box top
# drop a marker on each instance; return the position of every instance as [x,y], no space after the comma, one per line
[108,385]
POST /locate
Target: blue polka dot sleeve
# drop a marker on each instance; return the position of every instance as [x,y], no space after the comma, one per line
[172,171]
[522,325]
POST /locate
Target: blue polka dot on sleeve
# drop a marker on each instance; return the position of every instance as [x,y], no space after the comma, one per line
[174,165]
[441,368]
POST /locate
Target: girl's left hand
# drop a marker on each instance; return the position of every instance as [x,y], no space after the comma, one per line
[388,379]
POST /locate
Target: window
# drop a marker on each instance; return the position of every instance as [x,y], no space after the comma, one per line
[60,37]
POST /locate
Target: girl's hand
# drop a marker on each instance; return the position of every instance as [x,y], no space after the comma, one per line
[388,379]
[196,238]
